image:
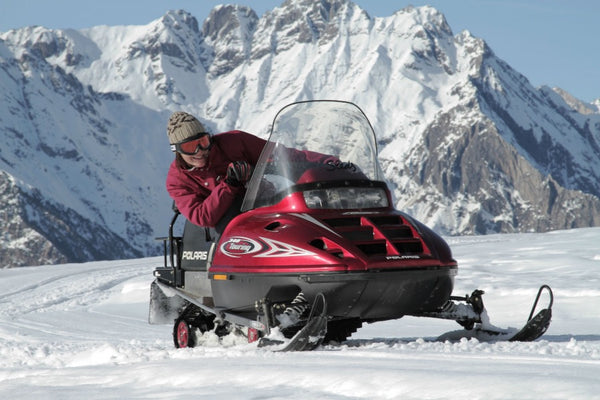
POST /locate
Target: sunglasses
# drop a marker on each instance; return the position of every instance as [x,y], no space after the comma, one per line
[193,145]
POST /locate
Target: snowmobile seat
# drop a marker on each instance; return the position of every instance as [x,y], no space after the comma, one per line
[197,242]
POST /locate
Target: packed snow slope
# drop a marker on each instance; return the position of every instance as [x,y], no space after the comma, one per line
[466,143]
[80,331]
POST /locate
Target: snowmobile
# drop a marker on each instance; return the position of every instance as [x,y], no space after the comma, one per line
[315,249]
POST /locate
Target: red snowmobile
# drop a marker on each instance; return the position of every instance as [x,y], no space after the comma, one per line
[315,249]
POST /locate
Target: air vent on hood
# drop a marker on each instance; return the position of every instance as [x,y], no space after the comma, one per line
[379,235]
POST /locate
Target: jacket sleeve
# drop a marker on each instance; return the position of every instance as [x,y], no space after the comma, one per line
[202,207]
[250,146]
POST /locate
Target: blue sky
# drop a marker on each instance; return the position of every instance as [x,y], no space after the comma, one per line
[551,42]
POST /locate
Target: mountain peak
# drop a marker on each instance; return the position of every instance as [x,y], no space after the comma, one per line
[327,9]
[175,34]
[430,18]
[39,40]
[225,19]
[180,19]
[576,104]
[303,21]
[228,30]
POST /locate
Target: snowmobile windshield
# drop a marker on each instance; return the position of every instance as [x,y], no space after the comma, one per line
[327,150]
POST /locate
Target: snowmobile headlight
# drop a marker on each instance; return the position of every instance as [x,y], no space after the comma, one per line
[346,198]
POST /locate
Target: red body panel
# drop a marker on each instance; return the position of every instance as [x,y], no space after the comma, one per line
[291,238]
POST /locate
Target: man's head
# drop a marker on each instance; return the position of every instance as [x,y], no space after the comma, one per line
[183,126]
[189,139]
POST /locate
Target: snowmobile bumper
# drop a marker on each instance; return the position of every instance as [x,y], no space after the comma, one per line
[370,296]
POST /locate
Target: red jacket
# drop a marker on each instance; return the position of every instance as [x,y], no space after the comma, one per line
[201,194]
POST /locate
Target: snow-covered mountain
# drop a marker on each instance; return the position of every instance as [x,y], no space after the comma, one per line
[467,144]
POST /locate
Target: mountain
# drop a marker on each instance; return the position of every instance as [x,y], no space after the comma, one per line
[466,143]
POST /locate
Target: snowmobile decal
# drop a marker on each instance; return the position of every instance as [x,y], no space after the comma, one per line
[315,221]
[281,249]
[409,257]
[238,246]
[194,255]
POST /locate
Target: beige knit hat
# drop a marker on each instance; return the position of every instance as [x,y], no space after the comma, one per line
[181,126]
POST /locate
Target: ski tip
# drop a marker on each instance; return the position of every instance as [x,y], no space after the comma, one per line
[535,327]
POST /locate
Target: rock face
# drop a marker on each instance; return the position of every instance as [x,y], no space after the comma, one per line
[467,145]
[38,231]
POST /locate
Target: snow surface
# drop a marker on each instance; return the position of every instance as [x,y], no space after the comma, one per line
[80,331]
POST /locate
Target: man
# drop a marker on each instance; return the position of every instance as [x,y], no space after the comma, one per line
[209,172]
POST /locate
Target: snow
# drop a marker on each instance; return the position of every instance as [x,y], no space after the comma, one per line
[80,331]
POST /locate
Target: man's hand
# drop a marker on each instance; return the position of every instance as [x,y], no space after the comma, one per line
[238,173]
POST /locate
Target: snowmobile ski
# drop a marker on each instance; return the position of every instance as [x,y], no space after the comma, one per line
[538,325]
[478,326]
[310,336]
